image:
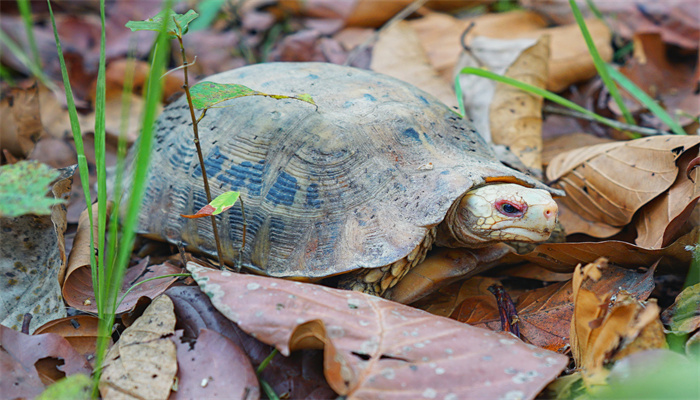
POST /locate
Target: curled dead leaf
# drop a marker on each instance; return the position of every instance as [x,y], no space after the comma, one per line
[607,183]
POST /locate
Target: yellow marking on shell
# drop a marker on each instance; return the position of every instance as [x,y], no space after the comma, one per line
[481,221]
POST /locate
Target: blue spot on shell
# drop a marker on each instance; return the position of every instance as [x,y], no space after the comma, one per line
[313,76]
[283,190]
[424,100]
[312,199]
[370,97]
[213,163]
[412,134]
[245,175]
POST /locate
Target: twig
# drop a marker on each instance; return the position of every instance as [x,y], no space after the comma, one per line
[615,124]
[403,14]
[186,86]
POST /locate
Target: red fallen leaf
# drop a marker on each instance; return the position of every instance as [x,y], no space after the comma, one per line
[27,363]
[80,331]
[213,366]
[374,347]
[203,212]
[299,376]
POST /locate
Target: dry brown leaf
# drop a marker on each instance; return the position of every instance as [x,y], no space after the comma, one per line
[445,301]
[27,363]
[515,115]
[605,325]
[213,366]
[440,34]
[563,257]
[21,123]
[398,53]
[608,183]
[659,222]
[143,363]
[80,331]
[561,144]
[381,347]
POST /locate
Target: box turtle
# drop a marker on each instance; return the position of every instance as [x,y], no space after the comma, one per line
[362,185]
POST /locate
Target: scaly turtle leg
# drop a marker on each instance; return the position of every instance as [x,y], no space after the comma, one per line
[377,281]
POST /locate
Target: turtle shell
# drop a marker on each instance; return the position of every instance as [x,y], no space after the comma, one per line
[354,183]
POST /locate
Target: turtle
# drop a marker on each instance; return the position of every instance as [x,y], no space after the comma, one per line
[361,185]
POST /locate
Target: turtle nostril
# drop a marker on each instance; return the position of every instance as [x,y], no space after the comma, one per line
[550,213]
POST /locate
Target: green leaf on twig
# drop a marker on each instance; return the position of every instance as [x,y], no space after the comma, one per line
[172,28]
[220,204]
[208,94]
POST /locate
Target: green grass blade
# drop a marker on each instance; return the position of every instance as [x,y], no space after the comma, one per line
[536,91]
[121,154]
[460,94]
[135,285]
[24,59]
[208,10]
[600,64]
[646,100]
[78,140]
[100,105]
[25,11]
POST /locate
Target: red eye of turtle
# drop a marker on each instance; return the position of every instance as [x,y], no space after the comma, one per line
[510,209]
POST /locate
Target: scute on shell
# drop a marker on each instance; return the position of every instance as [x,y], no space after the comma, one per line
[326,190]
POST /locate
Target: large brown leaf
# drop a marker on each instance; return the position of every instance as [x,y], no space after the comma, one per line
[659,222]
[299,376]
[376,348]
[608,183]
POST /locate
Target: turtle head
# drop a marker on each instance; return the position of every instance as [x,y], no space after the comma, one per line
[498,213]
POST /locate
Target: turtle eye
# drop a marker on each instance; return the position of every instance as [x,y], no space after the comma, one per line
[510,209]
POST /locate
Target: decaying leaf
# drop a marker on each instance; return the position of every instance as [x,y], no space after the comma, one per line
[660,221]
[515,115]
[21,125]
[32,252]
[213,366]
[374,346]
[210,94]
[607,183]
[398,53]
[544,314]
[143,363]
[684,315]
[23,188]
[607,326]
[564,143]
[27,363]
[221,203]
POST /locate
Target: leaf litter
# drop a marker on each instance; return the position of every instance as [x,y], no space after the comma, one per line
[661,227]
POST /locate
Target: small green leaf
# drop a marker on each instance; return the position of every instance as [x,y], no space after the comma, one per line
[23,188]
[155,23]
[220,204]
[208,94]
[76,386]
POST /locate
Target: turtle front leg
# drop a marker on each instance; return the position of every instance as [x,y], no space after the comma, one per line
[443,267]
